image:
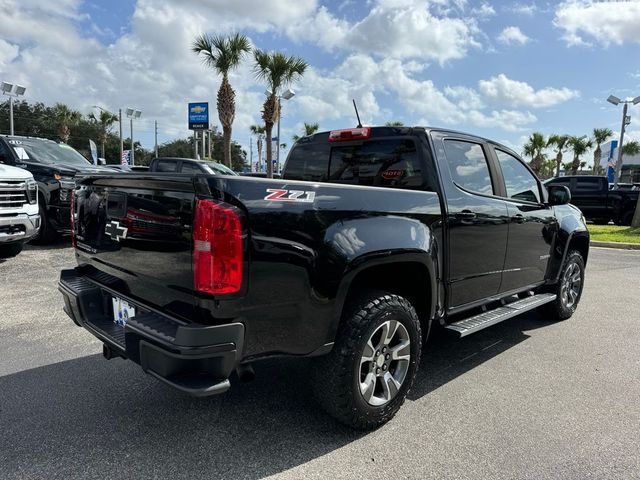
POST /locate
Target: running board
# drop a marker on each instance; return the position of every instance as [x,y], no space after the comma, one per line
[491,317]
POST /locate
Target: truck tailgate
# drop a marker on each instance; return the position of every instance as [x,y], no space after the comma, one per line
[133,232]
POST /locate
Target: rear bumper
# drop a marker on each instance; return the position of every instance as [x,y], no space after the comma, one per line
[21,227]
[196,359]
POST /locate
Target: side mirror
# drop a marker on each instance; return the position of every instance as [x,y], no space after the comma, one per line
[559,194]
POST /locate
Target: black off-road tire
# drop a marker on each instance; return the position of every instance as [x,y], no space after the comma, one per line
[10,250]
[336,376]
[47,233]
[560,308]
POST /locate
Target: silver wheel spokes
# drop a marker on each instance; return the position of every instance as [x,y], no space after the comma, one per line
[571,285]
[384,363]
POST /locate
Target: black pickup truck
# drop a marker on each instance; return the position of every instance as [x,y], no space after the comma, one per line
[372,236]
[54,166]
[598,202]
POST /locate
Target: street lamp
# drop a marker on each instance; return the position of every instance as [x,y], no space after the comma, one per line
[119,123]
[626,120]
[132,113]
[12,91]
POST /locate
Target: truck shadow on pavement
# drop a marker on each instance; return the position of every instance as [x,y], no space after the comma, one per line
[90,418]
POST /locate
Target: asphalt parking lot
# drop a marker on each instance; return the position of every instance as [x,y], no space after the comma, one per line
[526,399]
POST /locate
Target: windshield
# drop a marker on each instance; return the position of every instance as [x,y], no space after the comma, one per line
[47,152]
[218,169]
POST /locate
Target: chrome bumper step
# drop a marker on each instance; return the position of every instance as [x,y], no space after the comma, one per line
[486,319]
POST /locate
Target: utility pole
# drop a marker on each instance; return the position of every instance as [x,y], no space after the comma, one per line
[133,148]
[251,152]
[195,144]
[156,137]
[121,141]
[209,136]
[619,160]
[203,149]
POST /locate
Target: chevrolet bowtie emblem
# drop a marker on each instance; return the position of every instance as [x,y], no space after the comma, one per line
[115,231]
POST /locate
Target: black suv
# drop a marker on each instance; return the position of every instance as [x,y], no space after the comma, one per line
[54,166]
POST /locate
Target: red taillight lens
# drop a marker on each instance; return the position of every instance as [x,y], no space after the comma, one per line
[350,134]
[73,218]
[217,248]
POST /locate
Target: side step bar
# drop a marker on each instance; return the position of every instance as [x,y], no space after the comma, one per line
[491,317]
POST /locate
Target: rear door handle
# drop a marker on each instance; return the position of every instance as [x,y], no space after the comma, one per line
[518,218]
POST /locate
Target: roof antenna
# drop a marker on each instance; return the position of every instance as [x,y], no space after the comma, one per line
[357,114]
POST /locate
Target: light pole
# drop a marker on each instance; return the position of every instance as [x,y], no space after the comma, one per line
[625,121]
[131,113]
[287,95]
[12,91]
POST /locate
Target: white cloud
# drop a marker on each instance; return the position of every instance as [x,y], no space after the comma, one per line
[513,35]
[408,29]
[503,90]
[603,22]
[485,10]
[528,9]
[8,53]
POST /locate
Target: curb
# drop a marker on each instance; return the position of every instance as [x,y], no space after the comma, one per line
[618,245]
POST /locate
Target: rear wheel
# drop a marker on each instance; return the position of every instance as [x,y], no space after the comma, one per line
[363,382]
[568,290]
[10,250]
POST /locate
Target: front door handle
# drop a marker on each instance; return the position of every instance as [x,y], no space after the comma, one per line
[466,216]
[518,218]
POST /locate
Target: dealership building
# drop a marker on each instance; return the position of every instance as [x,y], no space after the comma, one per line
[630,172]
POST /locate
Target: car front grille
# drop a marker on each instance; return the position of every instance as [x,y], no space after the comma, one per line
[13,194]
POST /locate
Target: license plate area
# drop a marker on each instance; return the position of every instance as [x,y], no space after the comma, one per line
[122,311]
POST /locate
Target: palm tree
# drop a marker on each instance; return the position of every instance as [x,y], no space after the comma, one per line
[560,142]
[258,131]
[309,129]
[223,54]
[600,135]
[65,118]
[395,123]
[579,145]
[277,70]
[105,120]
[533,148]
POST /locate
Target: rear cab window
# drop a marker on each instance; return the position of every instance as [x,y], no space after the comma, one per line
[379,162]
[167,166]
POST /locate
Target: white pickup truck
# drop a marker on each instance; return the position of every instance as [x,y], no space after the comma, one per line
[19,218]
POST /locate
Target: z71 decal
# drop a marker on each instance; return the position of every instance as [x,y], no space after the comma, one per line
[279,195]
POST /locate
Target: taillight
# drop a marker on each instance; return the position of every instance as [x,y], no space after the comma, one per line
[350,134]
[73,218]
[217,248]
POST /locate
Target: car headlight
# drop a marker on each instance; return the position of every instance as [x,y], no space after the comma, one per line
[32,191]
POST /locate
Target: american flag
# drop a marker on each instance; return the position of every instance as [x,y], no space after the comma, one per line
[126,154]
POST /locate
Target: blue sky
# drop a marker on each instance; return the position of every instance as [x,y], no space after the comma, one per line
[498,69]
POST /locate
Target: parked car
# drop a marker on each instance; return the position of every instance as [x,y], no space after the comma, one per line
[54,166]
[19,218]
[372,236]
[591,194]
[188,165]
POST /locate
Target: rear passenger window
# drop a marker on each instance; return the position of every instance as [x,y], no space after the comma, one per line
[380,163]
[519,181]
[468,166]
[588,185]
[167,166]
[190,168]
[308,162]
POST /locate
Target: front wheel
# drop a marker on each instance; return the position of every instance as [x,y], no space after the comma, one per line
[46,233]
[363,382]
[568,290]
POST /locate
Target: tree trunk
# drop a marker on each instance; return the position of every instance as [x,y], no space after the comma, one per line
[226,142]
[226,113]
[597,155]
[259,142]
[558,163]
[268,130]
[270,113]
[575,165]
